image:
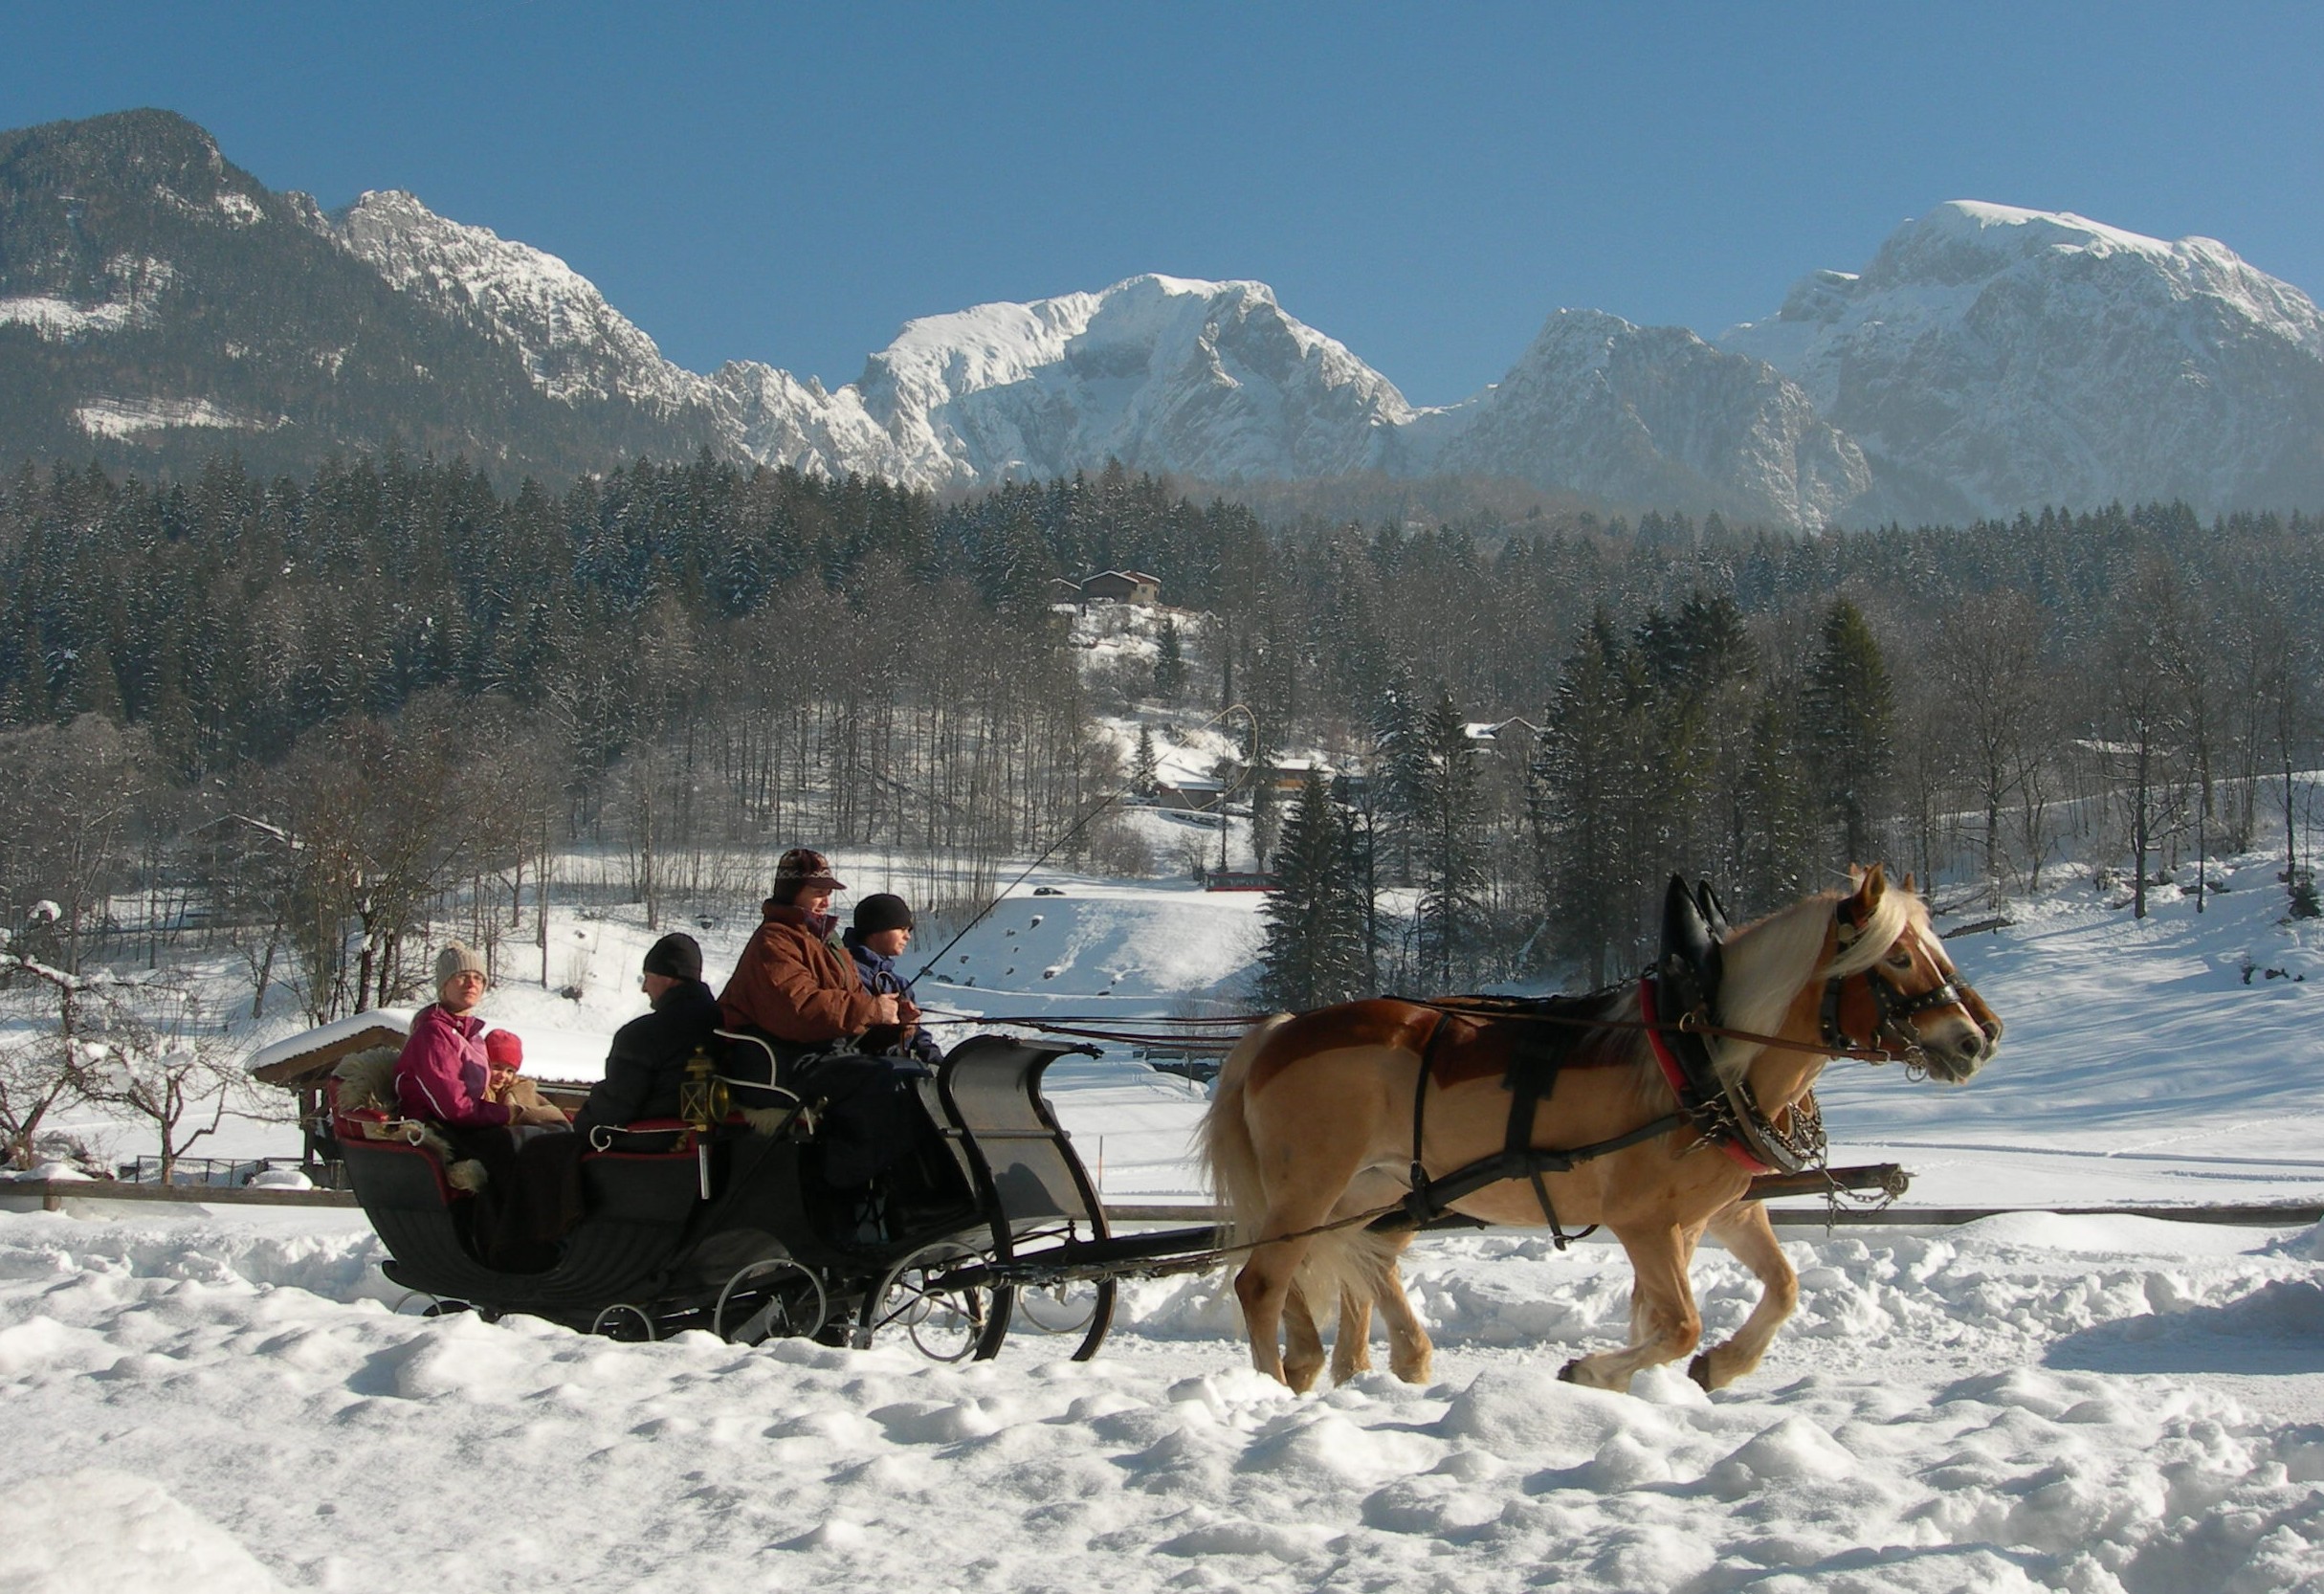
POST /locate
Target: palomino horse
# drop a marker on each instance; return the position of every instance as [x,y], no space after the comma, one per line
[1316,1119]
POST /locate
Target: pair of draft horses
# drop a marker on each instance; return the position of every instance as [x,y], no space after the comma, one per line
[1324,1118]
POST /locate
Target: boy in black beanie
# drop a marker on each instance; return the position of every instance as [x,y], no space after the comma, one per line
[882,931]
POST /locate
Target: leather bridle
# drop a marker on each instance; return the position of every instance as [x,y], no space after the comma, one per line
[1891,1037]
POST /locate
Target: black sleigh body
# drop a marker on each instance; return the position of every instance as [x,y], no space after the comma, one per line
[728,1226]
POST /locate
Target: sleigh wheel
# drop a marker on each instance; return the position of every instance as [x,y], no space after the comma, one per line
[945,1323]
[774,1298]
[629,1324]
[1084,1306]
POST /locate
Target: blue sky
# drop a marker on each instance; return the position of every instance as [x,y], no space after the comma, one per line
[1425,183]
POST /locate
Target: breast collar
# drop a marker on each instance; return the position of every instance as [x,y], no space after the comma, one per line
[1725,1115]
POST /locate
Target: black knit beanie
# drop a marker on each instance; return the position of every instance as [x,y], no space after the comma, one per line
[882,910]
[675,956]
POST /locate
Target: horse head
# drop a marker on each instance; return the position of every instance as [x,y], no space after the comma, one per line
[1891,983]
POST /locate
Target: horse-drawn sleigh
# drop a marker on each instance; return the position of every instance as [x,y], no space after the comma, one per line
[1334,1137]
[721,1221]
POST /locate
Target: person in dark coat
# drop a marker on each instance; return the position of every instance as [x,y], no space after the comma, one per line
[882,931]
[647,1062]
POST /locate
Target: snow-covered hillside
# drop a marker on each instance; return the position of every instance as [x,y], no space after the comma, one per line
[1653,415]
[575,345]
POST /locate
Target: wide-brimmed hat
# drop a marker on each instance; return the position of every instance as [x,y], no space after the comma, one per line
[803,866]
[882,910]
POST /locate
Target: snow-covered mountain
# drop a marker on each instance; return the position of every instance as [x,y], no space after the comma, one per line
[1210,379]
[1988,360]
[157,304]
[574,345]
[1651,415]
[2023,357]
[160,306]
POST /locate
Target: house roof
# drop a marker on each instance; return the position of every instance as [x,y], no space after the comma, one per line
[298,1058]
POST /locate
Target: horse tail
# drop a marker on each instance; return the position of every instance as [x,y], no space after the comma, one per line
[1229,1160]
[1350,1265]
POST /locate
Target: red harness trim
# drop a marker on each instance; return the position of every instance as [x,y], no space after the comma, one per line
[1677,1077]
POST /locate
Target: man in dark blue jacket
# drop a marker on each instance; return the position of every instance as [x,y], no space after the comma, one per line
[647,1062]
[882,931]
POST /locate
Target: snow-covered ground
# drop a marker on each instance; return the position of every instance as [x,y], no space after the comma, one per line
[205,1398]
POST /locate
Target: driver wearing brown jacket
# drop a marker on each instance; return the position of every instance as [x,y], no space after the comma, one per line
[794,982]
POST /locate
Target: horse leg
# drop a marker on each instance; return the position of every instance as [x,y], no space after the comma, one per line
[1265,1286]
[1411,1353]
[1744,1231]
[1305,1178]
[1364,1268]
[1663,1324]
[1351,1345]
[1303,1350]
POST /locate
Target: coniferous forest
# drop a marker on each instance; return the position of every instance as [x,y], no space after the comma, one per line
[309,715]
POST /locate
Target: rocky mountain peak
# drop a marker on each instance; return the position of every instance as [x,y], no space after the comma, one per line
[1993,348]
[575,344]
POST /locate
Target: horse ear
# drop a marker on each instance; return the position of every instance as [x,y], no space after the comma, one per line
[1908,882]
[1870,884]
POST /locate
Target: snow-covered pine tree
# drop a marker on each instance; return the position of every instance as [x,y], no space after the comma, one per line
[1169,663]
[1448,857]
[1316,951]
[1586,791]
[1145,770]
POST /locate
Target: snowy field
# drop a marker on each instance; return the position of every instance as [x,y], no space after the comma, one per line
[205,1399]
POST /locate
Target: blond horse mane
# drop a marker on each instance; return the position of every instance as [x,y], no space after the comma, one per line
[1770,958]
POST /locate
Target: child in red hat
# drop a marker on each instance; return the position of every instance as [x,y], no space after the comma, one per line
[504,1056]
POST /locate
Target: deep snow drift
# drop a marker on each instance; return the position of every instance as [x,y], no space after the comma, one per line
[2025,1403]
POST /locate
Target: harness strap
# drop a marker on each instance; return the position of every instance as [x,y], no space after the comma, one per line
[1419,1175]
[1424,1206]
[1527,1086]
[1693,1102]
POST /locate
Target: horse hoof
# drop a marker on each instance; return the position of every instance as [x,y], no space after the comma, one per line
[1699,1370]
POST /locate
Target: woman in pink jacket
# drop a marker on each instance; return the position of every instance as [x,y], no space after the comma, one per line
[443,1074]
[532,1193]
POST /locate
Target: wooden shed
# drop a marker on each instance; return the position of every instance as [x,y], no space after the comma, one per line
[303,1064]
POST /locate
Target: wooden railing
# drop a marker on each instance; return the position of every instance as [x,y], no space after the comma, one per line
[53,1194]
